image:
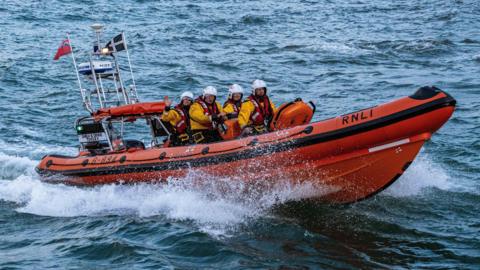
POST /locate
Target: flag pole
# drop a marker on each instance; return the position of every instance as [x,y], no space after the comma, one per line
[76,72]
[130,65]
[125,96]
[74,62]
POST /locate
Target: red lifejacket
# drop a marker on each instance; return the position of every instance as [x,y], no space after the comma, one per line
[184,123]
[261,114]
[208,110]
[236,105]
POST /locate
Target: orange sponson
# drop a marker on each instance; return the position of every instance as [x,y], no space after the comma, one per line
[343,159]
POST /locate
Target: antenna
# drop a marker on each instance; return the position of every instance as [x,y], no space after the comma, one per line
[98,28]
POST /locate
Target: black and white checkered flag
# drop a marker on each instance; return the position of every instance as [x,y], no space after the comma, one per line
[116,44]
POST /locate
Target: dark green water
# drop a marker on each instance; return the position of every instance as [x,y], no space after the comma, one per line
[344,55]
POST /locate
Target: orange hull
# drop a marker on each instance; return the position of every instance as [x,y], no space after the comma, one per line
[345,159]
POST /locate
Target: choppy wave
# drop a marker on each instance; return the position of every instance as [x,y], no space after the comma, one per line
[215,205]
[420,176]
[33,149]
[12,167]
[253,19]
[421,46]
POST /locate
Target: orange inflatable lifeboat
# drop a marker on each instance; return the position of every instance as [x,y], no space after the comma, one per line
[348,158]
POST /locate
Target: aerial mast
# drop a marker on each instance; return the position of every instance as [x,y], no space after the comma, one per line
[98,28]
[103,70]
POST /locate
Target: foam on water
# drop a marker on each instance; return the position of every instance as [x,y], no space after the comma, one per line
[33,149]
[476,57]
[39,198]
[208,202]
[422,174]
[12,167]
[214,204]
[333,47]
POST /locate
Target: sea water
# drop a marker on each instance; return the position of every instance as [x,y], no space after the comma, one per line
[343,55]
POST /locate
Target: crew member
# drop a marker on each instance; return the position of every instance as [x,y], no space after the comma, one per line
[179,118]
[234,101]
[206,114]
[257,111]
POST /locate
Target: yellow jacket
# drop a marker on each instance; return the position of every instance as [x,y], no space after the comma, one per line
[172,116]
[246,111]
[198,120]
[228,108]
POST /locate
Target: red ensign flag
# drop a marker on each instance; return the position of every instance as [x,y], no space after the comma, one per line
[63,49]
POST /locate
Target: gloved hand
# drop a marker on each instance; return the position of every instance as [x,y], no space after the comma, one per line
[298,99]
[246,131]
[232,115]
[223,116]
[215,117]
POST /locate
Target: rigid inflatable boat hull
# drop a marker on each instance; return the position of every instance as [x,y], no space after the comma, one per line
[344,159]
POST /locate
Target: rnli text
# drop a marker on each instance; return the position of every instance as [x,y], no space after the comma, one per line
[357,116]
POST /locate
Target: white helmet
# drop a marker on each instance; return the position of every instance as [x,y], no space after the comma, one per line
[234,89]
[187,94]
[258,84]
[209,90]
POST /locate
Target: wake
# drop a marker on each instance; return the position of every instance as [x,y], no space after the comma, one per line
[215,205]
